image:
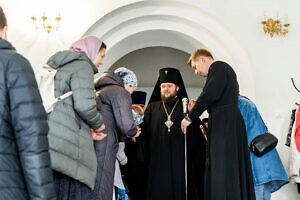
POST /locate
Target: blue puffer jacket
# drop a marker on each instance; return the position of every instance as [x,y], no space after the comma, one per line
[25,171]
[268,168]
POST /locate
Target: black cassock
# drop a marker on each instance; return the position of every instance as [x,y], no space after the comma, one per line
[164,155]
[134,170]
[228,169]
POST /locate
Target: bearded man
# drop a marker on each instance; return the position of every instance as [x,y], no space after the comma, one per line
[164,144]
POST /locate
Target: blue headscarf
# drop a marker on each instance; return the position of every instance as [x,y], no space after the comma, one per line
[128,76]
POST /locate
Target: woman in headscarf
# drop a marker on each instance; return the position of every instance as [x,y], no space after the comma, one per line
[114,103]
[72,150]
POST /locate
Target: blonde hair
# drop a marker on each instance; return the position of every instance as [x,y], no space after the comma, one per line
[199,52]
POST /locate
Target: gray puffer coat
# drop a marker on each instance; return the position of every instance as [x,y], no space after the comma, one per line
[114,104]
[71,144]
[25,171]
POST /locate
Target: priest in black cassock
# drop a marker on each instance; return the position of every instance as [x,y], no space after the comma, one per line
[164,143]
[228,174]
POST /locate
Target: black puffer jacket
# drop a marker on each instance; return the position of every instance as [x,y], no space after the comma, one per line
[25,171]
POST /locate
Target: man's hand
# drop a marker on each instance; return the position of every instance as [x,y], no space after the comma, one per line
[184,124]
[98,133]
[191,104]
[138,132]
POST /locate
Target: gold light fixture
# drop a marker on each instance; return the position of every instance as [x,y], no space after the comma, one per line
[272,27]
[45,23]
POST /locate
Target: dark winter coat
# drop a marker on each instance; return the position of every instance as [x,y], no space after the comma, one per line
[25,171]
[114,104]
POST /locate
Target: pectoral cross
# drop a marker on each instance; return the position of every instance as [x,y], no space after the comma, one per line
[169,123]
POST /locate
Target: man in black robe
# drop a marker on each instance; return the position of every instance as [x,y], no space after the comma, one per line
[164,143]
[228,174]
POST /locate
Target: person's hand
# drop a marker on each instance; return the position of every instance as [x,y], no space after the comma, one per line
[191,104]
[98,136]
[138,109]
[184,124]
[101,129]
[98,133]
[138,132]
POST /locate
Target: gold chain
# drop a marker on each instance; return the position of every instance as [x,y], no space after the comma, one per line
[169,115]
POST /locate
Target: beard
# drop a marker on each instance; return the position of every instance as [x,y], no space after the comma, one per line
[170,98]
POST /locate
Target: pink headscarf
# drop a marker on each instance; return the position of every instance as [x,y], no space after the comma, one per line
[89,45]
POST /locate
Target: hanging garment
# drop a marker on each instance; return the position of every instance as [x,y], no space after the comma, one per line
[297,131]
[294,156]
[292,121]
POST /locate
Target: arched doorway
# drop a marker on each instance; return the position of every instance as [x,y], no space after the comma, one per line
[171,24]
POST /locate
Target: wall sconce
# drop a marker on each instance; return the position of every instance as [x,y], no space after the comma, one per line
[272,27]
[45,24]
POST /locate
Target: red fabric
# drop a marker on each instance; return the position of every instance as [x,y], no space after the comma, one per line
[297,130]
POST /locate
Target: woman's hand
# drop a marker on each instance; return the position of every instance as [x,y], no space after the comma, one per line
[138,109]
[98,133]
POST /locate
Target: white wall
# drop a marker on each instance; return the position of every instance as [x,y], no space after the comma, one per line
[38,46]
[273,60]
